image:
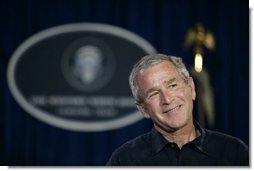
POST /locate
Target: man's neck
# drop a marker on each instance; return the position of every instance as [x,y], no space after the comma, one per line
[181,136]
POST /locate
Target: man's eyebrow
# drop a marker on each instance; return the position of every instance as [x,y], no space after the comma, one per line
[166,82]
[151,90]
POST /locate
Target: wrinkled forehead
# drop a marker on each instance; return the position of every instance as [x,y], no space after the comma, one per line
[157,74]
[164,65]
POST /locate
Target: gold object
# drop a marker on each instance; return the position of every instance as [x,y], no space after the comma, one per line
[198,62]
[197,38]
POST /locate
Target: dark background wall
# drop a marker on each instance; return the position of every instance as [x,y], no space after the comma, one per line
[25,140]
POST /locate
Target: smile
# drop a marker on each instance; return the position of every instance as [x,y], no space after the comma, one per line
[173,109]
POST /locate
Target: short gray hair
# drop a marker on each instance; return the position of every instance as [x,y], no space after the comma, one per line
[151,60]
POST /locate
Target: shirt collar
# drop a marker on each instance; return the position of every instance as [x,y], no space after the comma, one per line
[159,142]
[199,141]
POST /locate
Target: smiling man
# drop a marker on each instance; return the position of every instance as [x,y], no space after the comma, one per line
[164,92]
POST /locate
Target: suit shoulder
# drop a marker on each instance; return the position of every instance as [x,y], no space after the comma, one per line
[129,152]
[220,137]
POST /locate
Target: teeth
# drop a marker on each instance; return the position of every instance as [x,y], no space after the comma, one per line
[175,108]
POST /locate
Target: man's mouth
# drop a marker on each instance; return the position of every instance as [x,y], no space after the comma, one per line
[172,110]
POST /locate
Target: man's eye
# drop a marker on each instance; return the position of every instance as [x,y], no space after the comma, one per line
[153,94]
[172,85]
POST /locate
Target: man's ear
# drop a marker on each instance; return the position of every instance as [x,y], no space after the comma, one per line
[192,86]
[142,109]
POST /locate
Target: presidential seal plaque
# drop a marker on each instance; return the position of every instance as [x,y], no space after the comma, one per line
[75,76]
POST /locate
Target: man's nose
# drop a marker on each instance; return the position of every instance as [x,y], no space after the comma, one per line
[166,97]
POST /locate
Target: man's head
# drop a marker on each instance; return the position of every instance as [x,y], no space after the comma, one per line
[163,90]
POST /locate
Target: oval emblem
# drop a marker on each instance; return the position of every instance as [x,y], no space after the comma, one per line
[75,76]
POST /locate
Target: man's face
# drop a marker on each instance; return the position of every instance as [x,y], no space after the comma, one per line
[168,99]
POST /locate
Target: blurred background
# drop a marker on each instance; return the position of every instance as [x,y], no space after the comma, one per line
[24,140]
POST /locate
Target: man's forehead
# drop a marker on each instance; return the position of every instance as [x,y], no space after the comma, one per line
[167,65]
